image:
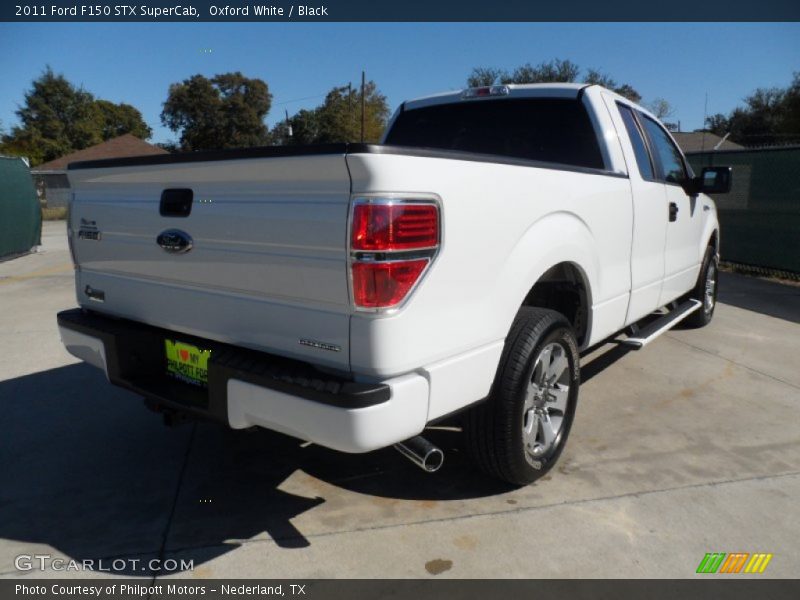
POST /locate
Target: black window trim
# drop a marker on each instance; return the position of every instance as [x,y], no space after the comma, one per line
[645,140]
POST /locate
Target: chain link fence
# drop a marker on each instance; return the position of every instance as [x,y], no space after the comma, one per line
[760,218]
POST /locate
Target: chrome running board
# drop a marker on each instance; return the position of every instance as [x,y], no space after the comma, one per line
[645,335]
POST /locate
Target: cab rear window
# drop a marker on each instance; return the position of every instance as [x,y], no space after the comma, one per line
[554,130]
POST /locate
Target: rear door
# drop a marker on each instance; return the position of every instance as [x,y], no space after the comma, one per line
[649,214]
[684,229]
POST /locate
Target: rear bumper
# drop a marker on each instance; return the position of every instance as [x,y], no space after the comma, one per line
[248,388]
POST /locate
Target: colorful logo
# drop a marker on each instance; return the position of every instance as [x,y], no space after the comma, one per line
[735,562]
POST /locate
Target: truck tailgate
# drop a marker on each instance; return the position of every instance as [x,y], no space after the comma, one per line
[268,264]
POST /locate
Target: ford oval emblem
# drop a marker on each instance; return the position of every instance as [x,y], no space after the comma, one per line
[174,241]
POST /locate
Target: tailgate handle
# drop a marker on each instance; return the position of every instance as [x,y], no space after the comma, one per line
[176,202]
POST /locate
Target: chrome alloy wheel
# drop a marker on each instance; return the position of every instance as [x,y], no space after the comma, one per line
[710,293]
[545,402]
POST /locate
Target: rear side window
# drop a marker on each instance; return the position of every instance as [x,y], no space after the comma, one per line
[639,147]
[555,130]
[669,157]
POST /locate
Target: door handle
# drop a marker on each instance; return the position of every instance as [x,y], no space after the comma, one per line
[673,212]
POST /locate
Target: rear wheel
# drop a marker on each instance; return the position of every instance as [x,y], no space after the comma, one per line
[519,432]
[705,291]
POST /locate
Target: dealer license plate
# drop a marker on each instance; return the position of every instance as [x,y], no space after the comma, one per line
[187,362]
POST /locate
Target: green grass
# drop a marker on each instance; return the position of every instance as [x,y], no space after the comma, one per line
[58,213]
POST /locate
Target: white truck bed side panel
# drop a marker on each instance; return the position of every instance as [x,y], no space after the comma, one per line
[503,226]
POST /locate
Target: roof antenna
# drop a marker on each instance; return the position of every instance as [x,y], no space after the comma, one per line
[363,106]
[705,117]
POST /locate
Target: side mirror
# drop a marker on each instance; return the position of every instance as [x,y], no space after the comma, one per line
[712,180]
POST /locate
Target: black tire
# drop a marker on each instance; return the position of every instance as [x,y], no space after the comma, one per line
[495,430]
[709,271]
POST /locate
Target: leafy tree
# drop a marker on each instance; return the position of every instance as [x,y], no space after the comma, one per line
[279,135]
[718,124]
[596,77]
[226,111]
[552,71]
[791,108]
[54,117]
[627,91]
[337,119]
[57,118]
[118,119]
[170,146]
[304,129]
[770,116]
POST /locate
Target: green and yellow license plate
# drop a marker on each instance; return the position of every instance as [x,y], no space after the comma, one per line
[187,362]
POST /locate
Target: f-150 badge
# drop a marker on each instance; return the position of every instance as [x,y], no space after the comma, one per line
[88,230]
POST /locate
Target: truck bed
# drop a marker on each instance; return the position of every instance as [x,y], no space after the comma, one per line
[268,269]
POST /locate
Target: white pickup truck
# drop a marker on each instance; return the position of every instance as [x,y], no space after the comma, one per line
[352,294]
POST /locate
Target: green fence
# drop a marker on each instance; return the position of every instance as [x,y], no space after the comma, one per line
[760,218]
[20,215]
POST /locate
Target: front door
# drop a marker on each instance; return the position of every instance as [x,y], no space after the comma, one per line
[684,228]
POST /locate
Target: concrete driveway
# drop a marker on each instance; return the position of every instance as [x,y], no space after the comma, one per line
[687,447]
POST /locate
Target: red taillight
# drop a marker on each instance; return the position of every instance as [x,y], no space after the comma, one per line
[391,244]
[391,227]
[384,284]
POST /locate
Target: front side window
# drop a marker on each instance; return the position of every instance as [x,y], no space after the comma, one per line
[554,130]
[669,157]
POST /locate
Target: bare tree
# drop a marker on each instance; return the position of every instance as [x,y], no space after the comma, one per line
[661,108]
[484,76]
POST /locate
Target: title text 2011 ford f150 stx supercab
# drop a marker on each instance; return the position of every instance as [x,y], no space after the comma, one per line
[351,294]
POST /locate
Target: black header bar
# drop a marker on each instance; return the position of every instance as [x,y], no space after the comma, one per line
[100,11]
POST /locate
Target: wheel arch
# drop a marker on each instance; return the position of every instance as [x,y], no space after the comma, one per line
[554,265]
[710,235]
[565,288]
[713,240]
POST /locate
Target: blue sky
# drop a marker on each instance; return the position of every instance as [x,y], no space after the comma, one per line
[135,63]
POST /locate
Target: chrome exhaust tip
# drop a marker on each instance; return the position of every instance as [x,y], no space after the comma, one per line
[422,453]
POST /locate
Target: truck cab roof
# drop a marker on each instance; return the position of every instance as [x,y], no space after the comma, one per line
[527,90]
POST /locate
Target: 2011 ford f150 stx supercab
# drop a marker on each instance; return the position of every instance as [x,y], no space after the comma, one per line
[351,294]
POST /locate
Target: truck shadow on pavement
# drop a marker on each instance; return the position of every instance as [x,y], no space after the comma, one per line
[88,471]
